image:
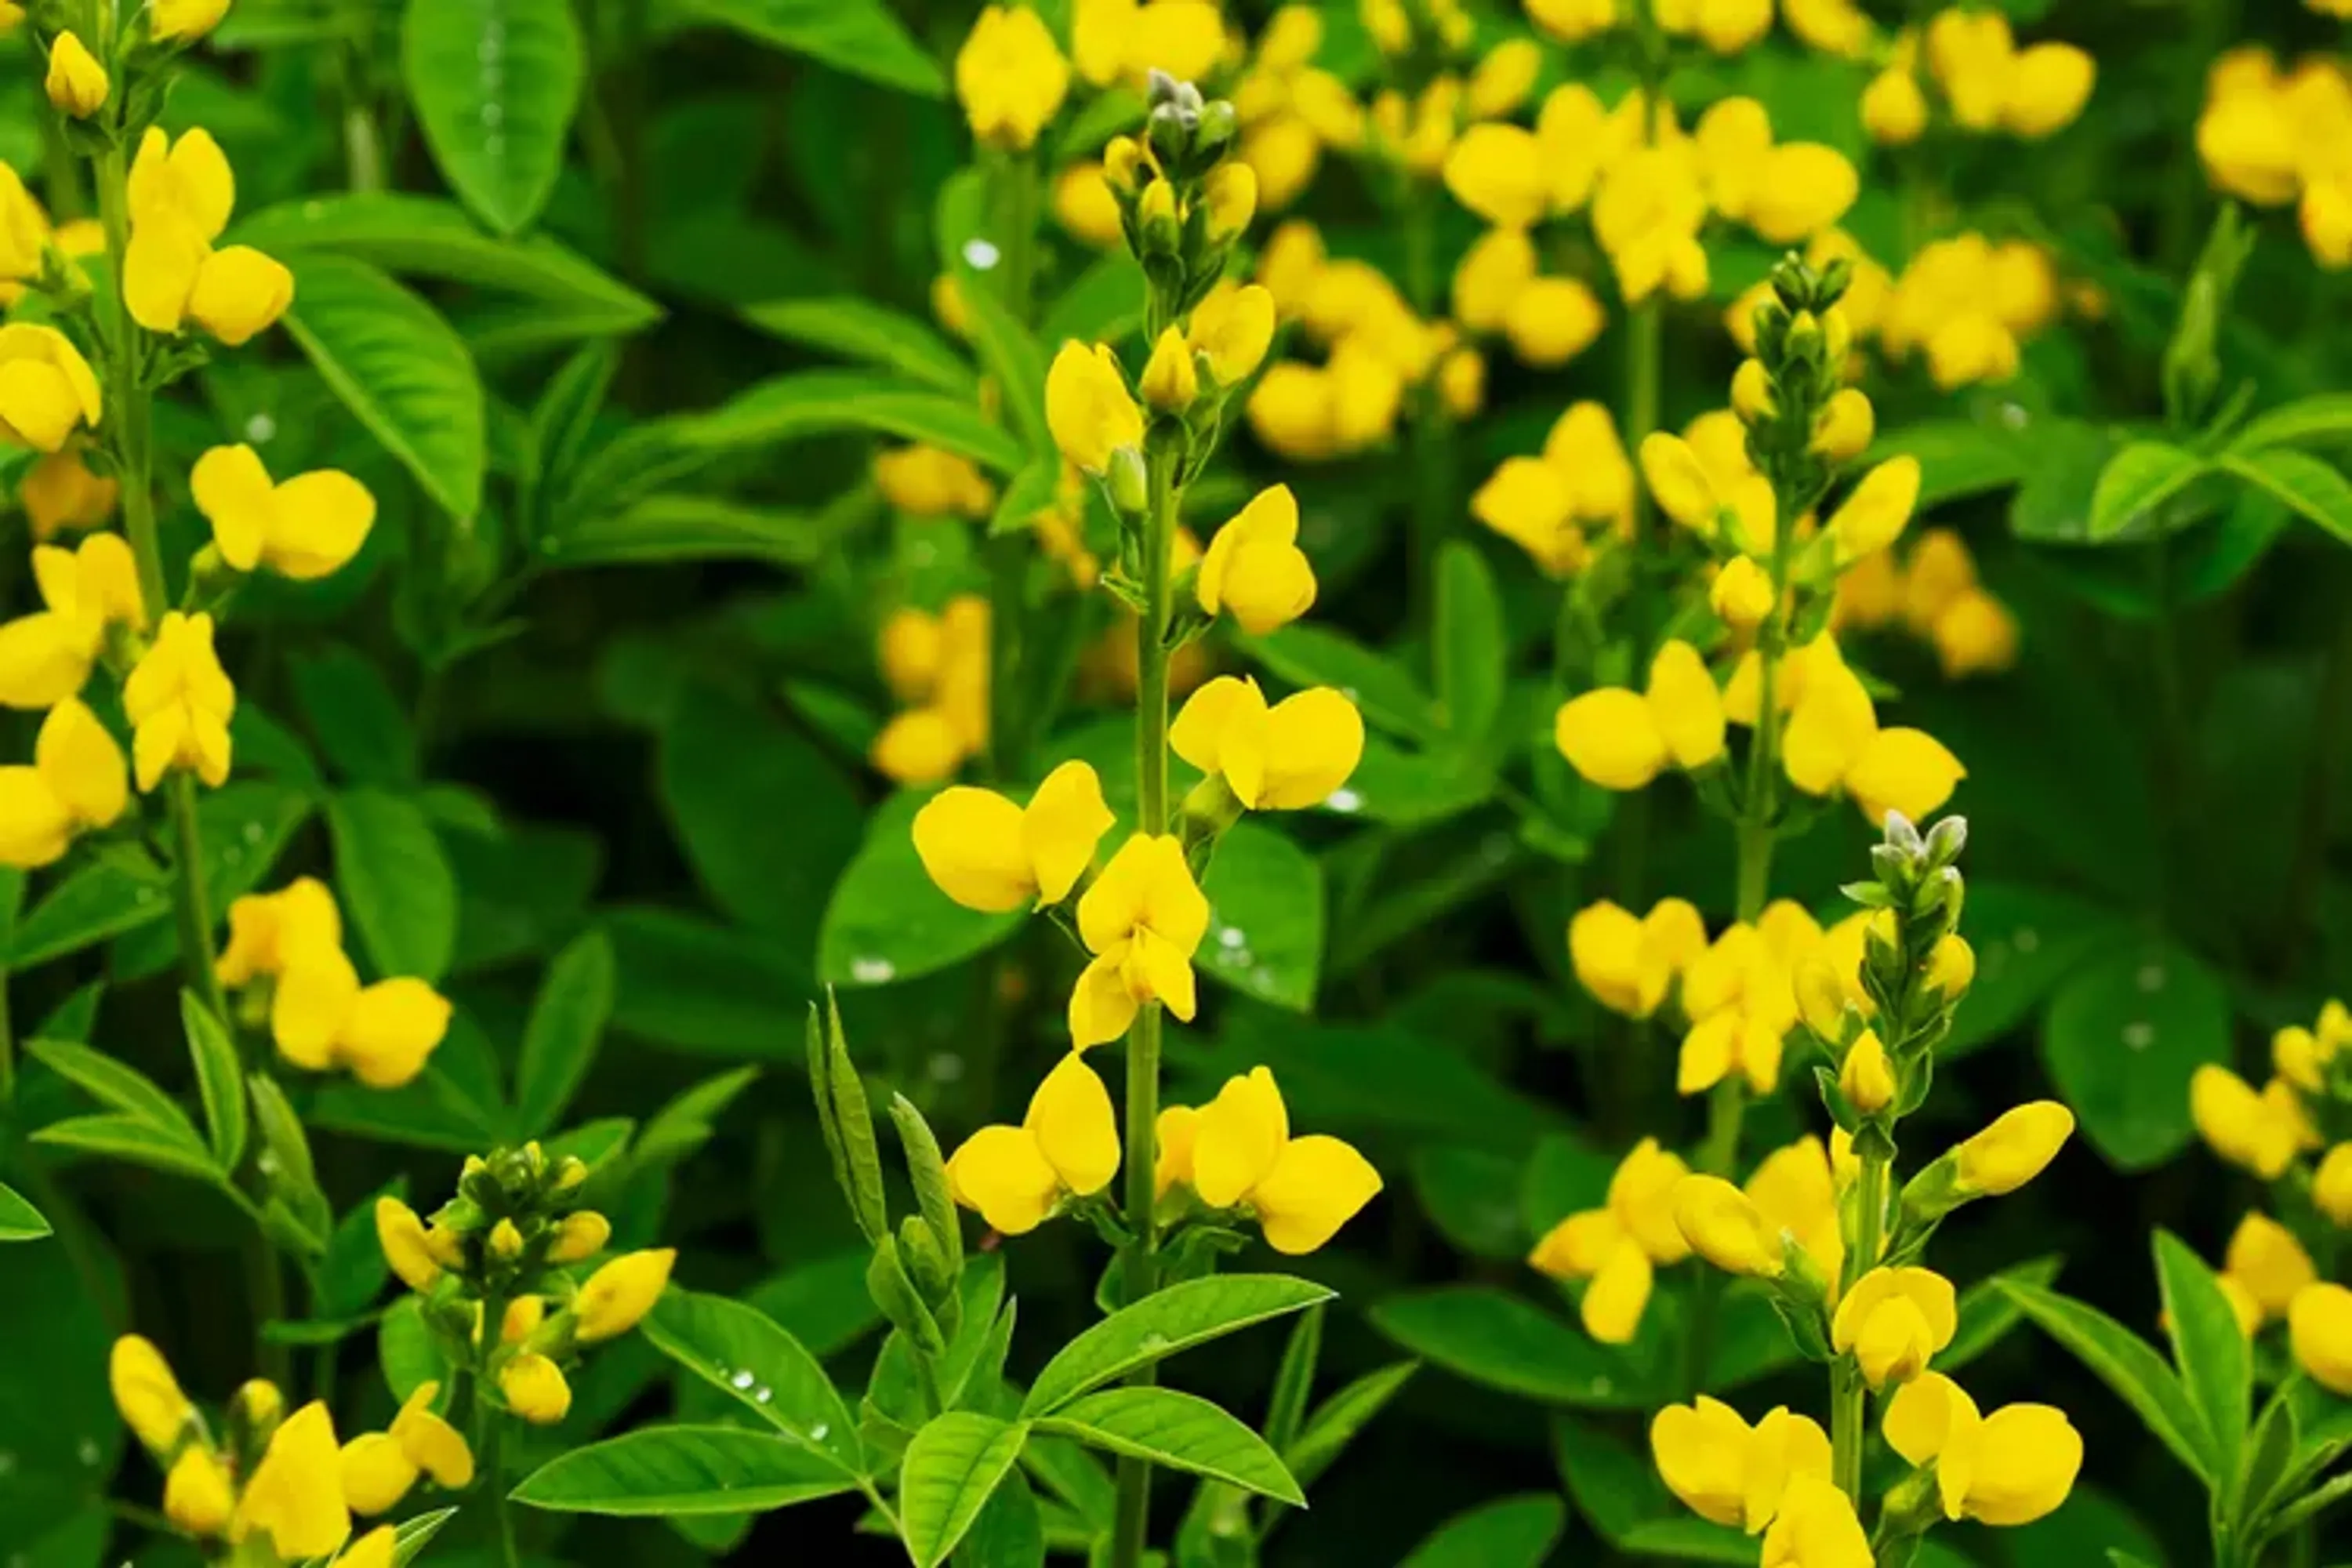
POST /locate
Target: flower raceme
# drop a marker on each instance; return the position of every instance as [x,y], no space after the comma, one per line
[1142,918]
[1893,1321]
[1621,740]
[46,657]
[306,528]
[1286,757]
[181,195]
[989,854]
[1615,1247]
[1253,568]
[77,781]
[2009,1467]
[1236,1152]
[1066,1146]
[179,702]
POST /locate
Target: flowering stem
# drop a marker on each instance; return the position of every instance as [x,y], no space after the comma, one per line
[494,1477]
[1846,1391]
[1644,356]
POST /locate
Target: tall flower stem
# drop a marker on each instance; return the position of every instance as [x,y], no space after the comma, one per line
[490,1434]
[1140,1274]
[1846,1390]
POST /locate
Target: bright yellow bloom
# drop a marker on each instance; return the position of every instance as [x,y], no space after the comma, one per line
[581,1236]
[296,1493]
[1728,1472]
[1816,1528]
[1647,208]
[1170,382]
[1228,200]
[1083,205]
[1615,1246]
[1142,918]
[378,1469]
[1087,405]
[1009,76]
[2264,1258]
[147,1395]
[1490,276]
[1573,21]
[183,22]
[1628,963]
[1844,429]
[1283,757]
[1680,482]
[1496,170]
[1502,80]
[2015,1149]
[621,1293]
[197,1494]
[1723,1226]
[1893,1320]
[408,1245]
[1894,110]
[321,1017]
[2007,1468]
[2331,1185]
[1234,326]
[524,1314]
[1868,1077]
[61,494]
[2319,1330]
[181,195]
[46,388]
[1241,1154]
[2049,85]
[1292,411]
[179,699]
[2240,1125]
[76,83]
[78,780]
[1834,27]
[1879,508]
[306,528]
[1254,568]
[1621,740]
[534,1389]
[1795,1189]
[986,853]
[926,482]
[1067,1146]
[1553,319]
[46,657]
[377,1549]
[265,929]
[1741,594]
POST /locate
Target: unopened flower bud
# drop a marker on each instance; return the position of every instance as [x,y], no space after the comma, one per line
[1751,392]
[1867,1079]
[1170,382]
[506,1240]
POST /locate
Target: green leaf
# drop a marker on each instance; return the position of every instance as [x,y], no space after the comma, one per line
[2123,1036]
[567,1023]
[2138,479]
[2125,1363]
[1511,1532]
[678,527]
[2209,1350]
[1157,1326]
[1012,356]
[2325,419]
[426,237]
[399,367]
[887,921]
[131,1138]
[1032,490]
[1471,646]
[104,899]
[1689,1540]
[2028,940]
[1958,458]
[360,725]
[684,1125]
[755,1361]
[1265,917]
[827,402]
[1103,304]
[1987,1312]
[495,84]
[858,329]
[1182,1431]
[659,1470]
[19,1221]
[695,986]
[1010,1531]
[955,1461]
[860,36]
[1311,655]
[2310,488]
[116,1084]
[405,1348]
[396,884]
[220,1080]
[1338,1419]
[1492,1338]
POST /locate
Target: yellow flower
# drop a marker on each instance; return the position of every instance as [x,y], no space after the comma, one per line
[1283,757]
[1229,200]
[2331,1185]
[1142,918]
[1628,963]
[1741,594]
[1893,1320]
[1723,1226]
[1490,276]
[1083,205]
[1845,427]
[1254,568]
[1867,1079]
[1573,21]
[986,853]
[1621,740]
[76,83]
[1894,110]
[1234,326]
[409,1247]
[926,482]
[1496,170]
[1726,1041]
[1087,403]
[46,657]
[534,1388]
[296,1493]
[1725,1471]
[1067,1146]
[1242,1155]
[1878,511]
[378,1469]
[2319,1330]
[183,22]
[2007,1468]
[2265,1258]
[1795,1189]
[46,387]
[265,929]
[197,1496]
[1975,635]
[321,1017]
[60,495]
[306,528]
[179,699]
[1552,320]
[181,195]
[524,1314]
[621,1293]
[1816,1528]
[78,780]
[2048,87]
[1646,212]
[1680,482]
[1292,411]
[2015,1149]
[1010,78]
[1834,27]
[1725,26]
[147,1395]
[1170,382]
[581,1236]
[2238,1124]
[1615,1246]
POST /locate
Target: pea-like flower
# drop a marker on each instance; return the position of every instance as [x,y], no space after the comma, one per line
[2009,1467]
[295,1495]
[1834,742]
[46,657]
[1796,1189]
[989,854]
[1723,1226]
[1866,1077]
[1142,918]
[535,1389]
[1236,1152]
[181,195]
[617,1297]
[1009,76]
[416,1251]
[76,83]
[1286,757]
[379,1468]
[321,1017]
[1893,1321]
[2261,1131]
[183,22]
[1816,1528]
[1233,326]
[1066,1146]
[1615,1247]
[77,781]
[1088,405]
[305,528]
[1728,1472]
[61,495]
[1496,170]
[179,700]
[2319,1331]
[1581,485]
[46,388]
[1878,511]
[2015,1149]
[1253,568]
[2268,1262]
[1621,740]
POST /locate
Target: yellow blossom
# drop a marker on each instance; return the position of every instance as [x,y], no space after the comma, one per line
[1496,170]
[1616,1246]
[534,1389]
[1083,205]
[987,853]
[184,21]
[321,1016]
[77,781]
[76,83]
[1552,320]
[1573,21]
[1621,740]
[1067,1146]
[2264,1258]
[61,494]
[1254,568]
[295,1495]
[621,1293]
[1815,1527]
[1009,76]
[1795,1189]
[1725,1227]
[1893,1320]
[147,1395]
[1741,594]
[1286,757]
[2319,1331]
[1490,276]
[181,195]
[197,1496]
[1241,1155]
[1233,326]
[1170,382]
[1894,110]
[2048,86]
[1087,405]
[1880,508]
[1628,963]
[179,699]
[265,929]
[1729,1473]
[926,481]
[1868,1077]
[46,388]
[2009,1467]
[305,528]
[1142,918]
[2015,1149]
[581,1236]
[2240,1125]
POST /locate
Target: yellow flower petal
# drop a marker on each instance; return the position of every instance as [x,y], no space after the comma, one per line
[1611,738]
[1060,827]
[295,1495]
[1002,1172]
[1318,1185]
[971,842]
[1070,1116]
[322,519]
[1239,1137]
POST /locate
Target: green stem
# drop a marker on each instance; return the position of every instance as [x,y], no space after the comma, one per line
[1645,362]
[1131,1528]
[1432,501]
[1847,1395]
[493,1467]
[1727,1109]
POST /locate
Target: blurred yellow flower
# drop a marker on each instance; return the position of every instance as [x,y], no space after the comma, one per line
[76,83]
[1011,77]
[2319,1332]
[46,388]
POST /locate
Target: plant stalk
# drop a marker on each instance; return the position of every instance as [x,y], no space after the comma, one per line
[1847,1395]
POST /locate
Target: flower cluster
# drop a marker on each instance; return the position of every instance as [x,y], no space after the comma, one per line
[495,1265]
[937,666]
[285,961]
[1985,85]
[1933,592]
[2274,137]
